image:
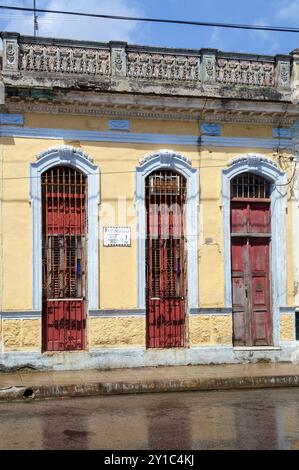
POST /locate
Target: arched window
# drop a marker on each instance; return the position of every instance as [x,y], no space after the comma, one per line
[166,281]
[249,186]
[64,256]
[250,260]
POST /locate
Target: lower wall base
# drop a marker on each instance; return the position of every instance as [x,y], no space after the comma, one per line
[139,357]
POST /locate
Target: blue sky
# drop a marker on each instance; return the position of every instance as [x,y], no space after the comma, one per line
[269,12]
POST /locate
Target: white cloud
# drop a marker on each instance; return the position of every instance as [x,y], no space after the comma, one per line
[215,37]
[289,11]
[264,38]
[72,27]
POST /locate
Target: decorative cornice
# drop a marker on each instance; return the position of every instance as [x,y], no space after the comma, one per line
[166,157]
[66,150]
[252,160]
[229,116]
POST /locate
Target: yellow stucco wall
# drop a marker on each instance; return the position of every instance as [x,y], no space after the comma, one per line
[19,335]
[210,330]
[101,123]
[287,327]
[118,266]
[247,130]
[116,332]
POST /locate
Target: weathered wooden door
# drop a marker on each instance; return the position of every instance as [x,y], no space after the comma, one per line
[250,260]
[165,260]
[64,225]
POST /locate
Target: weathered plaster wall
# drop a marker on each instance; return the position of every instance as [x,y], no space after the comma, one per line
[287,328]
[116,332]
[118,266]
[247,130]
[210,330]
[117,163]
[157,126]
[19,335]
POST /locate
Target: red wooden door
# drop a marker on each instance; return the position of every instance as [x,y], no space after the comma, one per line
[251,292]
[64,260]
[165,260]
[250,261]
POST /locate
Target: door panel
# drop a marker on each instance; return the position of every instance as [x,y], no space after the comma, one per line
[260,290]
[259,217]
[250,252]
[239,217]
[240,305]
[165,260]
[250,217]
[251,292]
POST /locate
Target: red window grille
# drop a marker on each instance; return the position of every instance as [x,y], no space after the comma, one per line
[64,225]
[165,260]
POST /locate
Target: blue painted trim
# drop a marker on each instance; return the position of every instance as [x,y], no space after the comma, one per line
[282,132]
[287,310]
[297,326]
[12,119]
[19,315]
[245,142]
[125,137]
[210,129]
[119,124]
[116,313]
[210,311]
[97,136]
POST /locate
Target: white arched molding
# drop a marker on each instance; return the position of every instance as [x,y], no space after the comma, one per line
[295,210]
[265,167]
[169,160]
[75,158]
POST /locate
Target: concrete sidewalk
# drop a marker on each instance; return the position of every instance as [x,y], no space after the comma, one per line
[23,384]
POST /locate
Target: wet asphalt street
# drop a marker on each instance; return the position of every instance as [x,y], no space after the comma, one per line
[255,419]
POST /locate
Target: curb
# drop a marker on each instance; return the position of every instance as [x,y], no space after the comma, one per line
[160,386]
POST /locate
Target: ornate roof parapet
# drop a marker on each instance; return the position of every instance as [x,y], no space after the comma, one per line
[163,65]
[117,66]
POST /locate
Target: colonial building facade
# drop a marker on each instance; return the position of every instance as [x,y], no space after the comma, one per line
[149,205]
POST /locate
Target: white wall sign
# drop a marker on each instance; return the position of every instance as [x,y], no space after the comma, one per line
[117,236]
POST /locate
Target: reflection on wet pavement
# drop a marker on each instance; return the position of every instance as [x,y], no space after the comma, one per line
[257,419]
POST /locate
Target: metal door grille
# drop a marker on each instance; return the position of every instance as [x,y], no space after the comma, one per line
[165,260]
[250,186]
[64,261]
